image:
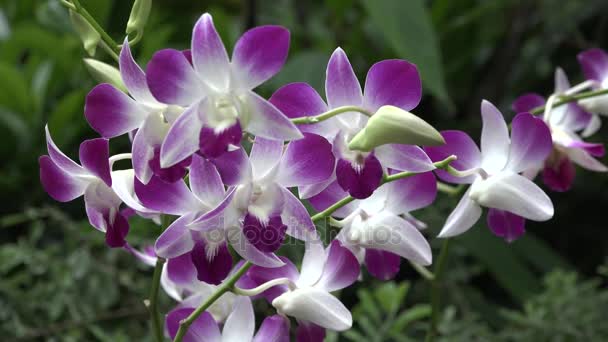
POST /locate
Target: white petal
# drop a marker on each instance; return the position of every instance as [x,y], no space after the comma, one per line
[123,186]
[464,216]
[494,138]
[312,263]
[240,324]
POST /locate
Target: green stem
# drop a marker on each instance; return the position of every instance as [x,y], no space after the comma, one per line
[423,271]
[329,114]
[226,286]
[438,165]
[157,325]
[436,290]
[77,7]
[449,189]
[327,212]
[571,98]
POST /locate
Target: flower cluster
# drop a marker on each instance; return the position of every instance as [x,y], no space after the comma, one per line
[223,165]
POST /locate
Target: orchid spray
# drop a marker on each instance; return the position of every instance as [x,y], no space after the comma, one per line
[224,170]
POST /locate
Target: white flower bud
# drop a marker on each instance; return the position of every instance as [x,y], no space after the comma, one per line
[139,15]
[90,38]
[104,73]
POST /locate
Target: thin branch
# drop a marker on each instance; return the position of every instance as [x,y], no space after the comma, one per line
[157,325]
[329,114]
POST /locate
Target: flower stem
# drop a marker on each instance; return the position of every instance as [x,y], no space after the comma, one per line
[157,326]
[436,291]
[423,271]
[571,98]
[257,290]
[329,114]
[449,189]
[226,286]
[443,164]
[111,45]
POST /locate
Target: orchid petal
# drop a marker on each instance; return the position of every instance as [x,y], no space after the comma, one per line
[60,160]
[148,137]
[123,184]
[59,184]
[94,156]
[494,138]
[506,225]
[341,269]
[329,196]
[462,218]
[594,63]
[206,182]
[463,147]
[341,85]
[296,217]
[527,102]
[169,198]
[412,193]
[240,324]
[392,82]
[181,270]
[382,264]
[306,161]
[265,156]
[268,122]
[133,76]
[274,328]
[360,180]
[182,140]
[209,54]
[203,329]
[247,251]
[211,269]
[309,332]
[315,257]
[172,79]
[531,142]
[404,158]
[234,167]
[559,176]
[175,240]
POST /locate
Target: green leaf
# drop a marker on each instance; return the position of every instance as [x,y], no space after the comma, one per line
[15,94]
[306,67]
[407,27]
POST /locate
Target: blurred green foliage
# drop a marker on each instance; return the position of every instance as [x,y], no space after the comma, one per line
[58,282]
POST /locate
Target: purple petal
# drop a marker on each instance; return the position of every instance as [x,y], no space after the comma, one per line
[341,85]
[411,193]
[392,82]
[169,198]
[60,159]
[59,184]
[94,155]
[309,332]
[559,176]
[172,79]
[209,54]
[300,99]
[268,122]
[585,160]
[234,167]
[260,275]
[213,144]
[382,264]
[274,328]
[594,63]
[146,146]
[205,181]
[175,240]
[306,161]
[265,156]
[527,102]
[341,269]
[133,76]
[506,225]
[462,146]
[329,196]
[360,181]
[169,174]
[182,140]
[211,269]
[203,329]
[531,142]
[116,231]
[259,54]
[249,252]
[181,270]
[101,205]
[216,216]
[265,236]
[404,158]
[111,113]
[594,149]
[296,217]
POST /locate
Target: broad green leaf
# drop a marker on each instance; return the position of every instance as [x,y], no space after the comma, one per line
[407,28]
[15,94]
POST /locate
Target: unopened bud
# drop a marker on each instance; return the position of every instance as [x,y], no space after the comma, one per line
[104,73]
[392,125]
[139,16]
[90,38]
[597,104]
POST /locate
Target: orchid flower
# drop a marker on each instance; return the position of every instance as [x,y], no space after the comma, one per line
[113,113]
[373,228]
[594,63]
[494,173]
[390,82]
[565,122]
[217,92]
[305,295]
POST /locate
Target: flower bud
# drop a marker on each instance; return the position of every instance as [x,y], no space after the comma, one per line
[90,38]
[597,104]
[104,73]
[392,125]
[139,16]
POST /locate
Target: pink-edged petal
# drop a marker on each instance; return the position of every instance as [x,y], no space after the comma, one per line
[592,126]
[559,175]
[182,140]
[123,184]
[329,196]
[527,102]
[411,193]
[463,147]
[265,156]
[60,159]
[361,180]
[181,270]
[585,160]
[296,217]
[249,252]
[462,218]
[212,269]
[169,198]
[172,79]
[147,138]
[268,122]
[313,262]
[169,174]
[494,138]
[206,182]
[392,82]
[381,264]
[116,230]
[175,240]
[594,63]
[111,113]
[209,54]
[309,332]
[300,99]
[260,275]
[404,158]
[594,149]
[220,216]
[213,144]
[306,161]
[274,328]
[506,225]
[133,76]
[341,84]
[203,329]
[59,184]
[101,205]
[307,191]
[94,156]
[512,192]
[146,255]
[259,54]
[240,324]
[531,142]
[341,268]
[234,167]
[267,236]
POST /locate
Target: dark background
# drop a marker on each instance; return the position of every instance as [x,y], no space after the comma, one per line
[58,281]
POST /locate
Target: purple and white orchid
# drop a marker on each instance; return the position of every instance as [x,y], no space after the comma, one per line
[494,173]
[594,63]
